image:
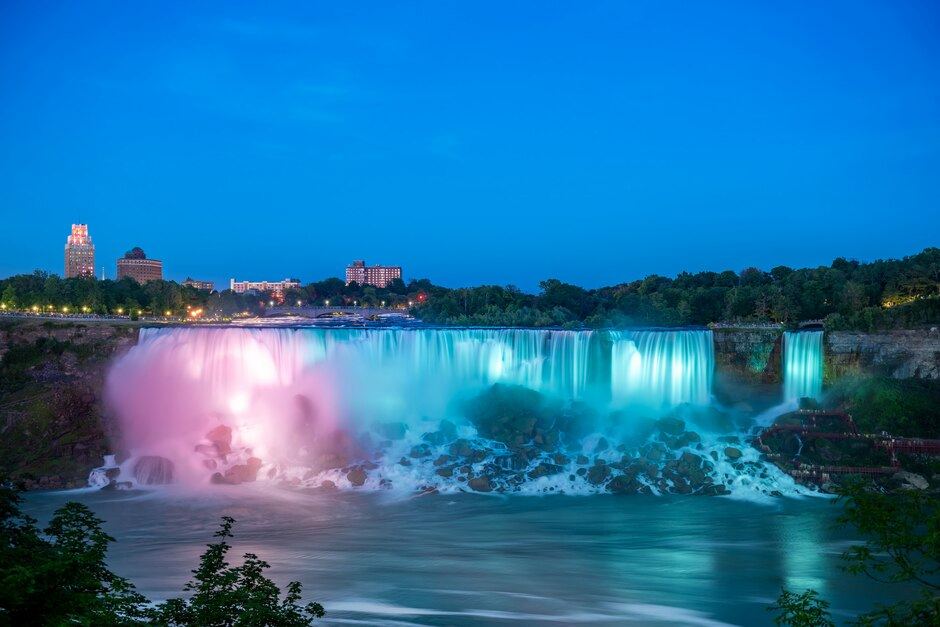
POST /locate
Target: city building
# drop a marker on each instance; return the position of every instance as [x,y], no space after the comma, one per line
[134,264]
[199,285]
[79,253]
[378,276]
[277,288]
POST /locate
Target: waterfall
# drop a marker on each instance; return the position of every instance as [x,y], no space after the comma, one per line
[662,368]
[286,395]
[802,364]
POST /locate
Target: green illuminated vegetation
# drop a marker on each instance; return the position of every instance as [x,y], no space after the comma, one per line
[901,534]
[846,294]
[60,576]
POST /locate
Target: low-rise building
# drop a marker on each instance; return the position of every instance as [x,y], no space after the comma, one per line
[199,285]
[377,276]
[134,264]
[277,288]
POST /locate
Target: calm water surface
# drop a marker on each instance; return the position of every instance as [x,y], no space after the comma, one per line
[468,559]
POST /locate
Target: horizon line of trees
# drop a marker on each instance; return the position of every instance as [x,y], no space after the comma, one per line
[846,294]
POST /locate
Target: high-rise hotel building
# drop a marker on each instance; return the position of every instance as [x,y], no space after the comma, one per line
[134,264]
[378,276]
[79,253]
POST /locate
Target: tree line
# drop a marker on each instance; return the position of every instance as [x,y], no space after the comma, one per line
[846,294]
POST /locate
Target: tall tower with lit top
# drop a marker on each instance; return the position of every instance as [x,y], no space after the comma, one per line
[79,253]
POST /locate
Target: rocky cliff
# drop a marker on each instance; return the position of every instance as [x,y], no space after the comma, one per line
[53,424]
[755,355]
[902,354]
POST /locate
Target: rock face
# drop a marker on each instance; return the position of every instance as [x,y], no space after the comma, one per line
[900,354]
[54,427]
[749,355]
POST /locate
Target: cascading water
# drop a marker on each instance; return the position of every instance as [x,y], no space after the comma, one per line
[802,365]
[315,406]
[662,368]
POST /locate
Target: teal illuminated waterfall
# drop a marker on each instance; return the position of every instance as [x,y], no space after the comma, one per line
[662,368]
[802,364]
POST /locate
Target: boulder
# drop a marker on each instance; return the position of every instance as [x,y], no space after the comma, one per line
[241,473]
[598,473]
[544,469]
[153,470]
[733,453]
[326,484]
[443,459]
[623,484]
[357,476]
[461,448]
[421,450]
[447,471]
[670,425]
[221,436]
[602,445]
[480,484]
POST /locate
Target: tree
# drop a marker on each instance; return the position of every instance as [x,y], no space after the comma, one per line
[902,545]
[8,297]
[227,595]
[801,610]
[63,579]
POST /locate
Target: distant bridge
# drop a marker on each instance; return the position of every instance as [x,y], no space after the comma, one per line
[311,311]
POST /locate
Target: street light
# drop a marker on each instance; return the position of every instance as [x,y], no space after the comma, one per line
[298,303]
[167,313]
[327,303]
[120,310]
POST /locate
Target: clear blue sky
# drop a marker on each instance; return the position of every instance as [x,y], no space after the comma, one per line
[595,142]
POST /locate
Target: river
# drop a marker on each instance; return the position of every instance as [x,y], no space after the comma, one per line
[465,559]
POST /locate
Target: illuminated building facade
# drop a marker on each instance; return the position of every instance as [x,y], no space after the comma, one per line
[377,276]
[277,288]
[134,264]
[79,253]
[199,285]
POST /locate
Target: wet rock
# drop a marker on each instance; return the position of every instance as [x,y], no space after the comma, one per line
[242,473]
[421,450]
[221,436]
[508,414]
[466,470]
[443,459]
[670,425]
[623,484]
[153,470]
[112,473]
[602,445]
[582,460]
[730,439]
[404,461]
[714,489]
[733,453]
[210,464]
[480,484]
[357,476]
[326,484]
[543,470]
[461,448]
[687,438]
[447,471]
[598,473]
[560,459]
[581,472]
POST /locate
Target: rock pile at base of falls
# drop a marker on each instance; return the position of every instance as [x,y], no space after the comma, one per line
[525,443]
